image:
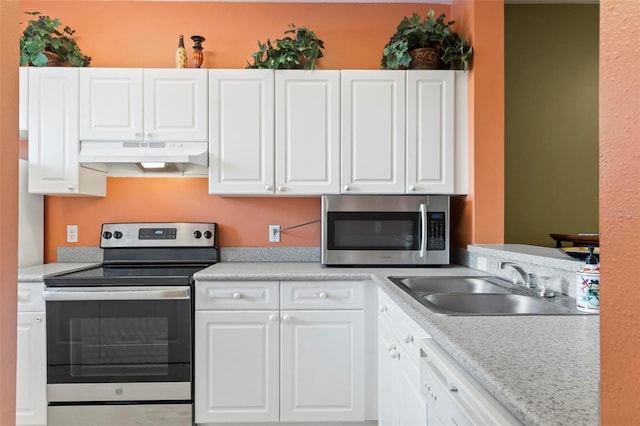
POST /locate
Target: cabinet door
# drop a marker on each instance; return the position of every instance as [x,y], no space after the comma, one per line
[53,136]
[236,366]
[176,105]
[31,370]
[387,376]
[241,140]
[307,132]
[322,366]
[111,104]
[373,138]
[430,132]
[412,407]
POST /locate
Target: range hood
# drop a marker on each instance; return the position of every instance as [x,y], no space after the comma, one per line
[130,158]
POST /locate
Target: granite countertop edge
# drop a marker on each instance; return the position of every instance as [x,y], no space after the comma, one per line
[498,372]
[37,273]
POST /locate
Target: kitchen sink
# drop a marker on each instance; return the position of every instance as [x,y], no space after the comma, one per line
[482,296]
[453,284]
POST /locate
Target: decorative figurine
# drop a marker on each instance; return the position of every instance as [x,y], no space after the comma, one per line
[181,54]
[197,55]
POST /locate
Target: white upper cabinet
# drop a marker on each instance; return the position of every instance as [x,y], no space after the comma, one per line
[373,132]
[241,141]
[53,136]
[307,107]
[150,105]
[430,132]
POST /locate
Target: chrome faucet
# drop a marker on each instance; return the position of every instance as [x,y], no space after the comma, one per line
[527,279]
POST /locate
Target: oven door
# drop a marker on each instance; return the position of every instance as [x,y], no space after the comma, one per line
[118,343]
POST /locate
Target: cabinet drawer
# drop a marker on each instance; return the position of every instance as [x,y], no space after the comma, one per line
[30,297]
[236,295]
[322,295]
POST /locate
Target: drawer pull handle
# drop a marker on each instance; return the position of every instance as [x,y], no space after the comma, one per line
[237,295]
[273,317]
[286,318]
[322,295]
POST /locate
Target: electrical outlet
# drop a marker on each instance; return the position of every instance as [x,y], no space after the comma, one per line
[274,233]
[72,233]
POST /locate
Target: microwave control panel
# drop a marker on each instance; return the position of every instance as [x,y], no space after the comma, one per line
[436,231]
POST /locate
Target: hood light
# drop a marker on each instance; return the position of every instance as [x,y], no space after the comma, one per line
[153,165]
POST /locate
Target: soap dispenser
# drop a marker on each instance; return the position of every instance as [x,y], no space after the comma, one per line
[588,284]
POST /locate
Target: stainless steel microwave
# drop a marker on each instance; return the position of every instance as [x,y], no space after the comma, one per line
[385,230]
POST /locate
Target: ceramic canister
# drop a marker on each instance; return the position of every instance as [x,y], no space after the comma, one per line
[588,288]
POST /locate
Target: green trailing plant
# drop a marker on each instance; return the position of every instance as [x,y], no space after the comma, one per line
[300,48]
[42,37]
[414,33]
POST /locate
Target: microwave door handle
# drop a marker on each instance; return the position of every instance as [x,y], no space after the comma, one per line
[116,293]
[423,221]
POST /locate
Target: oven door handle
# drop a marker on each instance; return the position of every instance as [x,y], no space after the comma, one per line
[64,294]
[423,220]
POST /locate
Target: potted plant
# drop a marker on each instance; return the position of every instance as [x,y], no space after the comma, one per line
[42,44]
[429,39]
[300,49]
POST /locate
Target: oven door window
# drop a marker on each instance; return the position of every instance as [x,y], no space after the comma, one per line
[373,231]
[119,341]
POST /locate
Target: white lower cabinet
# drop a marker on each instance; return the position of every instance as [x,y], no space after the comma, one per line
[400,400]
[257,361]
[31,361]
[237,366]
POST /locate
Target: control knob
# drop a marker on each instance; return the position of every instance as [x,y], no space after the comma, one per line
[207,234]
[197,234]
[117,235]
[106,235]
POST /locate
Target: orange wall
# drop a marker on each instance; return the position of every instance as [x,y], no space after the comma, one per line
[8,207]
[619,211]
[480,216]
[144,34]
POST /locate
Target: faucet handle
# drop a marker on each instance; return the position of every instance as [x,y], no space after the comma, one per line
[531,281]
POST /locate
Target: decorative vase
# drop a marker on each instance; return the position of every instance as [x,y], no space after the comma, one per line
[197,56]
[181,54]
[424,58]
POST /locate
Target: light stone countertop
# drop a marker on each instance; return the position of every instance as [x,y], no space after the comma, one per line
[544,369]
[38,273]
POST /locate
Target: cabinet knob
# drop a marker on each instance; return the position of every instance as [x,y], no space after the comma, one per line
[150,135]
[273,317]
[237,295]
[408,338]
[347,187]
[137,135]
[286,318]
[412,188]
[394,354]
[382,308]
[391,346]
[268,188]
[281,188]
[322,295]
[38,319]
[71,187]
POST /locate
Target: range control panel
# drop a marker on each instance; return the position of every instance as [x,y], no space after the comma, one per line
[166,234]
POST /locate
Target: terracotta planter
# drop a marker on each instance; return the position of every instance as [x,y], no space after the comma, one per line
[53,60]
[425,58]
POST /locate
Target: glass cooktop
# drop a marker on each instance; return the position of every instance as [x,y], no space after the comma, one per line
[129,275]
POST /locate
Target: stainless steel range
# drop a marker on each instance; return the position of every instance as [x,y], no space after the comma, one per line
[120,336]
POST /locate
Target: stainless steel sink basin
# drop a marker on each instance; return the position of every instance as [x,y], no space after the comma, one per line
[482,296]
[493,304]
[452,284]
